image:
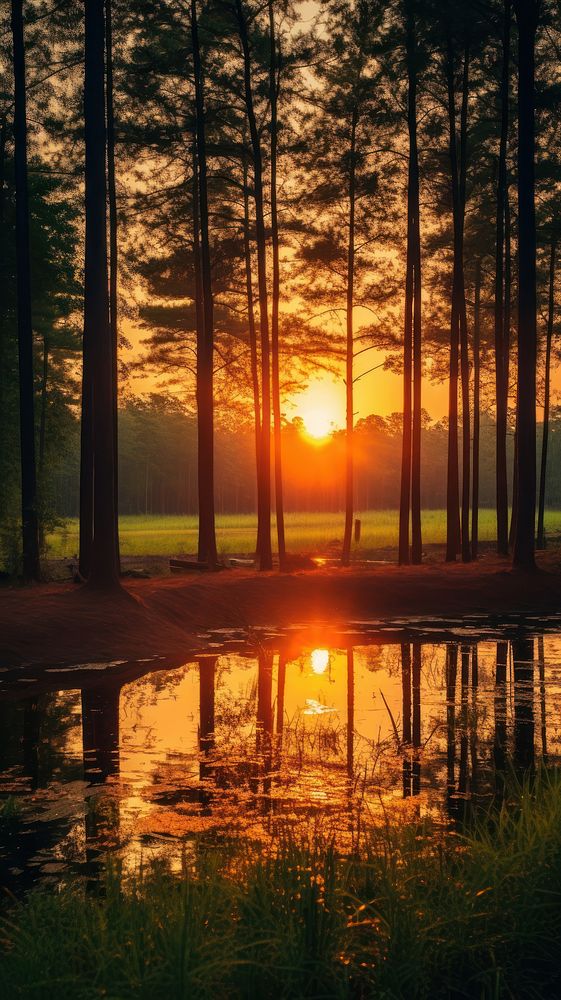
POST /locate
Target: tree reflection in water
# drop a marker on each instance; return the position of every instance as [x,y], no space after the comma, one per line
[273,738]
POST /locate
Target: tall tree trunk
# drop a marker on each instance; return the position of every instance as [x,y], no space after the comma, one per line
[113,242]
[476,413]
[198,287]
[205,348]
[524,541]
[349,456]
[452,483]
[264,472]
[254,361]
[97,329]
[464,344]
[275,363]
[2,265]
[86,464]
[42,438]
[405,493]
[501,377]
[506,362]
[30,533]
[514,511]
[547,377]
[416,532]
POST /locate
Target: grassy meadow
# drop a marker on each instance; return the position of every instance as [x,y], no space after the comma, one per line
[314,533]
[414,912]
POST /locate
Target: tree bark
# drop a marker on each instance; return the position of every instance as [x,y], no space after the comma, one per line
[501,376]
[524,540]
[264,479]
[404,553]
[30,532]
[2,255]
[349,456]
[416,531]
[406,442]
[546,400]
[113,243]
[97,328]
[207,551]
[275,362]
[254,361]
[452,483]
[476,413]
[464,345]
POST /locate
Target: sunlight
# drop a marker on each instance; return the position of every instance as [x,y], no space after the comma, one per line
[320,660]
[318,424]
[321,408]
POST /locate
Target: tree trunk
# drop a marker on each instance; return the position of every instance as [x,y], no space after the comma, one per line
[254,361]
[205,347]
[464,346]
[416,532]
[30,533]
[275,364]
[86,464]
[452,484]
[514,511]
[2,254]
[42,438]
[545,434]
[506,361]
[264,477]
[524,540]
[113,244]
[349,457]
[199,311]
[501,376]
[476,413]
[97,329]
[405,494]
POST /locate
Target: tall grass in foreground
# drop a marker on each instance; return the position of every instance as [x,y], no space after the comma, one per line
[421,913]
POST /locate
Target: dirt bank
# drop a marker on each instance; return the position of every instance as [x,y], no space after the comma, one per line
[63,623]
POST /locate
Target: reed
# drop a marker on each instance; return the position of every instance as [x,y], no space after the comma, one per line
[420,911]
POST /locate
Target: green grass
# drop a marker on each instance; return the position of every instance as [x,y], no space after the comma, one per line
[313,533]
[417,913]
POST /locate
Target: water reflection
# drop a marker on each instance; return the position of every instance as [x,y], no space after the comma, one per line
[234,743]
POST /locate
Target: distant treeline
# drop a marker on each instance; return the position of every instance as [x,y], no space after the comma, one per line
[158,465]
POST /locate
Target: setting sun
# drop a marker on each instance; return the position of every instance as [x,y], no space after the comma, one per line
[322,408]
[318,423]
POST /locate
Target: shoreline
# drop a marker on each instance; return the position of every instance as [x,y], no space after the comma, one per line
[51,624]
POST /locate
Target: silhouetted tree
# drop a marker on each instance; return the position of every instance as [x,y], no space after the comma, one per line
[524,539]
[30,528]
[103,569]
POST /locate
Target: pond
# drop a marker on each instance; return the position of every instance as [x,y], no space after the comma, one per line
[324,729]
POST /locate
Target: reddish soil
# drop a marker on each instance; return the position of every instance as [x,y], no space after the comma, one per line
[64,623]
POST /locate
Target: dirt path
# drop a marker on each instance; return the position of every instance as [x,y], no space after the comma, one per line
[63,623]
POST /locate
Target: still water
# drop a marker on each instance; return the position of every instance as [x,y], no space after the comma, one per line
[289,731]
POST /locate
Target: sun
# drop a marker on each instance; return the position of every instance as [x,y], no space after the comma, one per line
[321,408]
[318,423]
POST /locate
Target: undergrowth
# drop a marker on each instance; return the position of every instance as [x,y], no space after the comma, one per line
[422,912]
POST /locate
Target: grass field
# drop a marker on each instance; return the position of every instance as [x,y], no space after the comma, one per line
[412,914]
[314,533]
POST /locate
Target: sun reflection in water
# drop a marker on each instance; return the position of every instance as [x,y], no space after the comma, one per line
[320,660]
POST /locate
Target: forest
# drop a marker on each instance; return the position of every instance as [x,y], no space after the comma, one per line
[205,207]
[280,499]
